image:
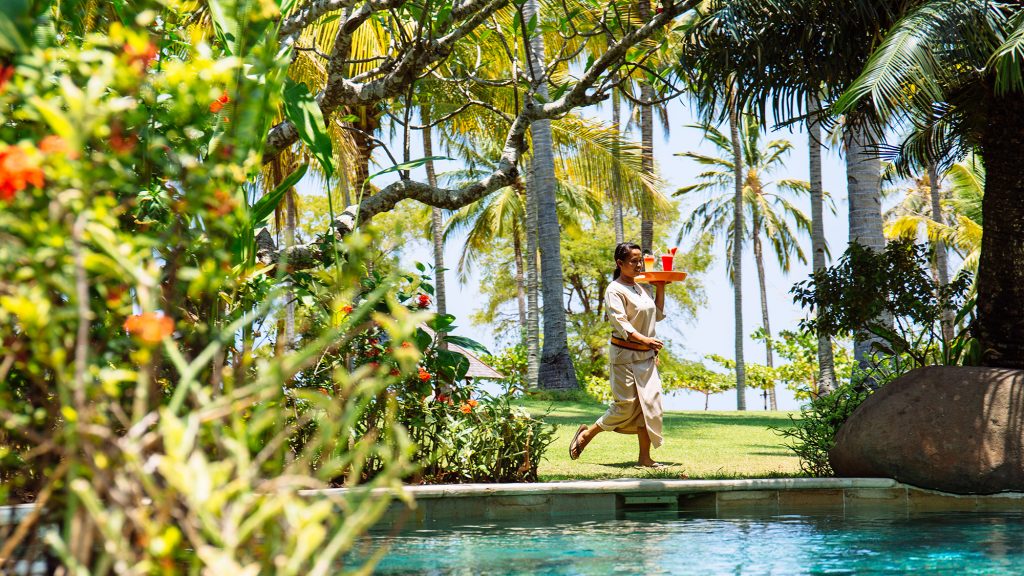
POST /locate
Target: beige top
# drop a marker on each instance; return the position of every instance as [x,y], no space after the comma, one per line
[631,309]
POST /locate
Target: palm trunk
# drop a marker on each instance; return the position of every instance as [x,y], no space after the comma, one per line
[436,222]
[759,260]
[737,251]
[941,255]
[646,141]
[863,182]
[532,288]
[517,247]
[1000,323]
[618,223]
[556,369]
[826,381]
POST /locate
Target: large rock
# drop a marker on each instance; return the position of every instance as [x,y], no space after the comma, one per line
[955,429]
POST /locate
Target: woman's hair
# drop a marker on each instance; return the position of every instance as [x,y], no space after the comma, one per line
[622,252]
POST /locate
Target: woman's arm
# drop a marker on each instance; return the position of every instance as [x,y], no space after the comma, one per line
[659,300]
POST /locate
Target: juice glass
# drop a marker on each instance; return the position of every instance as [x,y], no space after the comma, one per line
[648,262]
[666,262]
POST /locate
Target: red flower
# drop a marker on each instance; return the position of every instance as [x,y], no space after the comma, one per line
[6,72]
[372,341]
[374,365]
[151,327]
[406,344]
[424,376]
[442,398]
[372,353]
[394,372]
[142,55]
[120,142]
[17,171]
[424,300]
[346,309]
[218,104]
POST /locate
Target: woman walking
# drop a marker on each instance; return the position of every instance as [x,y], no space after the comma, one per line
[636,387]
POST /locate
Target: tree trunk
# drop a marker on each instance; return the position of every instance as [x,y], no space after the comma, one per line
[941,254]
[755,234]
[826,381]
[517,247]
[737,253]
[864,188]
[646,141]
[1000,323]
[436,222]
[617,217]
[556,369]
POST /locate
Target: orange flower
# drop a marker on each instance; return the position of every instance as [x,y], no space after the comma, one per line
[346,309]
[218,104]
[424,375]
[140,54]
[54,144]
[222,203]
[121,142]
[406,344]
[151,327]
[465,408]
[472,403]
[17,171]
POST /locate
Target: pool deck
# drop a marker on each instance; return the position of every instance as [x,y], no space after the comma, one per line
[467,503]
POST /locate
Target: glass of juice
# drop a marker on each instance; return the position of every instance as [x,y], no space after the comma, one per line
[666,262]
[648,262]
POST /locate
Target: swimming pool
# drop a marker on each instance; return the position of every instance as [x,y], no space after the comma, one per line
[671,543]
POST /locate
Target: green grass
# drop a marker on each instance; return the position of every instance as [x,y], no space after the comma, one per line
[697,445]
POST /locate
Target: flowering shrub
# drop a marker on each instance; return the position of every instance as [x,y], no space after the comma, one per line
[141,411]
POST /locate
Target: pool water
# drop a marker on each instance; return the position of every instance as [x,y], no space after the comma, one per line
[666,543]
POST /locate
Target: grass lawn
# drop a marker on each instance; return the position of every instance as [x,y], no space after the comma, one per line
[697,444]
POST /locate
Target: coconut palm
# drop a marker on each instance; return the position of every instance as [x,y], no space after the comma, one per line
[768,214]
[785,55]
[958,66]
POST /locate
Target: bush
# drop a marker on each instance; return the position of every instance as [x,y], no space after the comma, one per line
[813,435]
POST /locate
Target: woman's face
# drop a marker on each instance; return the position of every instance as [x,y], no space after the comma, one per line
[633,266]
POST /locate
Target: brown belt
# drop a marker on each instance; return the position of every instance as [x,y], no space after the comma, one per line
[630,345]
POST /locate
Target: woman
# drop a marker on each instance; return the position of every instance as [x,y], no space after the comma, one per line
[636,387]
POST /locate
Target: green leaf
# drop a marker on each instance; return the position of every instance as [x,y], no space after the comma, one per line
[222,12]
[468,344]
[301,108]
[58,122]
[11,39]
[265,206]
[409,165]
[441,322]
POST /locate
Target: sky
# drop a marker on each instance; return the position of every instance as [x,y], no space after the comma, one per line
[711,332]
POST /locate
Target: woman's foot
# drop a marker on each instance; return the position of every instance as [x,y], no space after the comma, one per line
[579,442]
[651,464]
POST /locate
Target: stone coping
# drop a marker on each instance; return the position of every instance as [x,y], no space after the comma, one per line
[624,486]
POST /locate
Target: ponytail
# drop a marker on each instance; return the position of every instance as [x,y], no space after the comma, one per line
[622,252]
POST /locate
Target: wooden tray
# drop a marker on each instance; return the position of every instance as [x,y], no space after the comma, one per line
[656,276]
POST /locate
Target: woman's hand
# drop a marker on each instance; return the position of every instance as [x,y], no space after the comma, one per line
[654,343]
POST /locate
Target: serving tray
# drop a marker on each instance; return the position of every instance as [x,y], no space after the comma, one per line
[660,276]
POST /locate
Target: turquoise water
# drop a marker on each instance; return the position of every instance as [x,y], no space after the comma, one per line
[664,543]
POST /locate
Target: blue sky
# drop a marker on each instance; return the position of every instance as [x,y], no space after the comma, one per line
[712,330]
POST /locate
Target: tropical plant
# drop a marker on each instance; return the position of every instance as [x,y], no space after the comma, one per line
[953,71]
[769,214]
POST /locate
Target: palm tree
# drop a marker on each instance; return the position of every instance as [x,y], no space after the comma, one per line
[826,378]
[957,65]
[781,54]
[767,213]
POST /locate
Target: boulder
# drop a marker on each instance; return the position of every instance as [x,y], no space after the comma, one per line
[949,428]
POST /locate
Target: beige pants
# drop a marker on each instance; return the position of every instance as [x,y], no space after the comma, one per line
[636,389]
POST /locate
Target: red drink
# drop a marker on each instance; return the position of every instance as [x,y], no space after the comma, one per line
[666,262]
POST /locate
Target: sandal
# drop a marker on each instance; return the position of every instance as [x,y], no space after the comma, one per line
[574,447]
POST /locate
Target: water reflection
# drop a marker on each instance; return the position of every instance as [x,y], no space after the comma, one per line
[668,543]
